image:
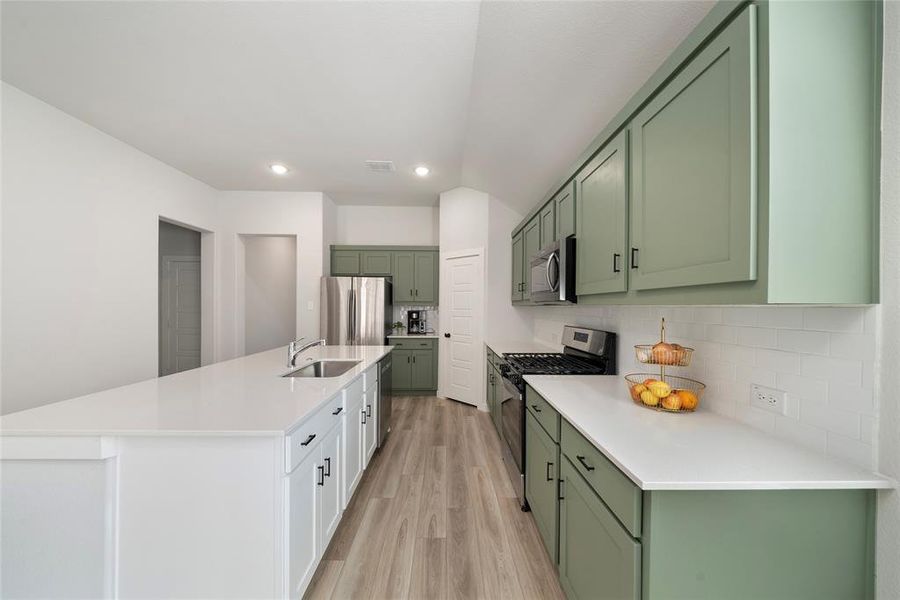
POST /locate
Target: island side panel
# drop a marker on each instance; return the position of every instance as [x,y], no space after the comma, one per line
[200,517]
[790,544]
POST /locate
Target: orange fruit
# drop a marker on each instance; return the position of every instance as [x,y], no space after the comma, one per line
[672,402]
[689,399]
[647,382]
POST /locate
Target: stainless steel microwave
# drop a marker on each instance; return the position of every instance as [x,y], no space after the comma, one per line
[553,272]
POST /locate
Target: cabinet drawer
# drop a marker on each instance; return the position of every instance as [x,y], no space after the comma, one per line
[302,441]
[370,377]
[545,414]
[615,489]
[413,343]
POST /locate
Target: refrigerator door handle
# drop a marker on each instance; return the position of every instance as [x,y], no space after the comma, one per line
[351,316]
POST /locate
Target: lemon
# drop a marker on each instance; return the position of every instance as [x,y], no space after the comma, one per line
[660,389]
[649,398]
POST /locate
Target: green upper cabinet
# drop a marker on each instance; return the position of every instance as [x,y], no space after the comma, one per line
[345,262]
[376,262]
[531,237]
[693,170]
[425,282]
[548,224]
[565,211]
[602,193]
[404,276]
[518,273]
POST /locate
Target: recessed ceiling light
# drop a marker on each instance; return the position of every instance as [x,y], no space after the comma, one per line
[422,171]
[278,169]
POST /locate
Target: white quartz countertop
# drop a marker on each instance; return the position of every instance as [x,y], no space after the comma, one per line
[244,396]
[692,451]
[415,335]
[510,346]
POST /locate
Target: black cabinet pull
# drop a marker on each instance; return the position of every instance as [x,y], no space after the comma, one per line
[311,437]
[584,463]
[634,253]
[616,258]
[536,408]
[328,467]
[559,484]
[410,292]
[423,344]
[363,416]
[368,410]
[414,358]
[321,475]
[417,291]
[338,411]
[408,360]
[549,475]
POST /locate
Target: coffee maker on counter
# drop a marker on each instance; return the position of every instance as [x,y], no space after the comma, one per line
[415,321]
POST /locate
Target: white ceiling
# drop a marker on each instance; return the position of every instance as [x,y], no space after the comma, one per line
[499,96]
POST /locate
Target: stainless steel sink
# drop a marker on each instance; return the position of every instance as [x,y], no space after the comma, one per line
[323,368]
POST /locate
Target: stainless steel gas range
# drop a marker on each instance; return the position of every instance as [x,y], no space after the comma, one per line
[585,352]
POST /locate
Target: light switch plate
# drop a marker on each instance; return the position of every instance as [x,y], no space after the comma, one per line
[768,399]
[309,305]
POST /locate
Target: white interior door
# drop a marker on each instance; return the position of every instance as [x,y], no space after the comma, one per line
[462,309]
[180,348]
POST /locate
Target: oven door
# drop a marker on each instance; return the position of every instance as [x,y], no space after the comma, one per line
[512,427]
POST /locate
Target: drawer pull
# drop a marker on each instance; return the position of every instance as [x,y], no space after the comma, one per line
[321,475]
[536,408]
[328,467]
[634,257]
[559,495]
[584,463]
[423,343]
[363,416]
[338,410]
[549,469]
[616,257]
[368,410]
[311,437]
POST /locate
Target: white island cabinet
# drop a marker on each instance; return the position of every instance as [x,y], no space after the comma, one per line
[227,481]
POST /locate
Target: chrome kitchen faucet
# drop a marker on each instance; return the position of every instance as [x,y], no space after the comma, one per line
[293,350]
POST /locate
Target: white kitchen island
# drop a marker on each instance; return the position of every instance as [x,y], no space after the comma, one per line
[226,481]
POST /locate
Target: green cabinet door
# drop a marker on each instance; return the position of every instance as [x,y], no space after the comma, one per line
[518,252]
[401,370]
[541,471]
[693,169]
[548,223]
[345,262]
[597,557]
[423,373]
[497,396]
[425,286]
[489,387]
[531,237]
[404,276]
[376,262]
[565,211]
[602,193]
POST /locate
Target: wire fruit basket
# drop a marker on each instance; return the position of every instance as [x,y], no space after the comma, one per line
[659,391]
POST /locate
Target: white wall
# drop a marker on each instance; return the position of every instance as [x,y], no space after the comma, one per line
[80,298]
[888,534]
[268,213]
[270,291]
[392,225]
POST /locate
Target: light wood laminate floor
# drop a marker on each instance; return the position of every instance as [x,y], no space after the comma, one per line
[435,516]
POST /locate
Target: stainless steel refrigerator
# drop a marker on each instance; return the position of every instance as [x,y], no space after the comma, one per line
[358,311]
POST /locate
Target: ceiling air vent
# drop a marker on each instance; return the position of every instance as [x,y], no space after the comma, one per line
[380,166]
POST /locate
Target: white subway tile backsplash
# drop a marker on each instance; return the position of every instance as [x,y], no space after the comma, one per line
[822,357]
[810,342]
[834,318]
[839,370]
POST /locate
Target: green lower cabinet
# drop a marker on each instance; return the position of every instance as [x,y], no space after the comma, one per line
[598,559]
[414,370]
[424,376]
[541,472]
[496,401]
[401,370]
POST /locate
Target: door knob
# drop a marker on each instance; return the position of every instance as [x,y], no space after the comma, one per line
[446,335]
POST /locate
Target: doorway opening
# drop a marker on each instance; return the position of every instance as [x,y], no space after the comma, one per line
[179,298]
[269,291]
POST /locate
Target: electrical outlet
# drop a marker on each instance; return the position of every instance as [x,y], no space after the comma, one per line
[768,399]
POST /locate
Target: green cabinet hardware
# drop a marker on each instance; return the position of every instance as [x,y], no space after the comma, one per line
[541,473]
[731,175]
[693,170]
[531,244]
[597,556]
[414,368]
[548,224]
[413,269]
[518,267]
[376,262]
[345,262]
[565,211]
[618,492]
[602,221]
[545,414]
